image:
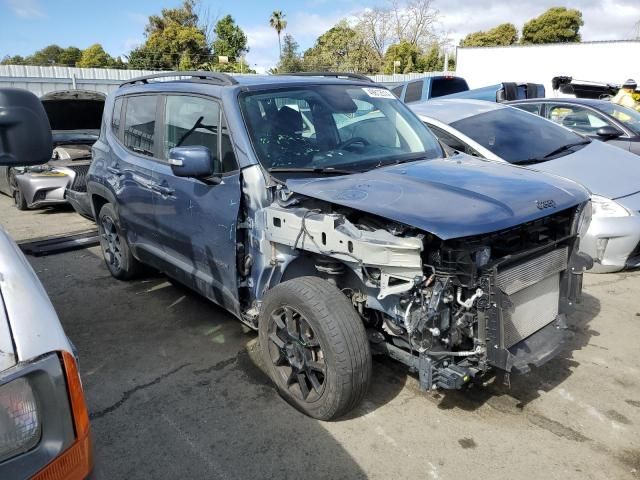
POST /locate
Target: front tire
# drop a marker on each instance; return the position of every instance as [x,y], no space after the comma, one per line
[18,197]
[315,347]
[115,249]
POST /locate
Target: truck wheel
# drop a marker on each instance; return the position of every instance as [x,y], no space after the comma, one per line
[115,250]
[315,347]
[18,197]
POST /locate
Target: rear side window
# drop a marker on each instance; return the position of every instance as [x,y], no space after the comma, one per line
[577,118]
[397,91]
[447,86]
[414,92]
[140,124]
[453,142]
[529,107]
[115,117]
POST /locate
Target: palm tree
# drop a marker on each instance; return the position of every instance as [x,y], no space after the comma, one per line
[278,23]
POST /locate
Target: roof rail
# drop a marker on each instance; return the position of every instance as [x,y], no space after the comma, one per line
[352,76]
[214,77]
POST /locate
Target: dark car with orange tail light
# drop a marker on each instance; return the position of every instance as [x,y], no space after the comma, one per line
[44,422]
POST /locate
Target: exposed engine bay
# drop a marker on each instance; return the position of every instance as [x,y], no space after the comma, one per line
[451,310]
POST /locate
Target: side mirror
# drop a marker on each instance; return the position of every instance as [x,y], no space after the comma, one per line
[25,133]
[608,132]
[196,161]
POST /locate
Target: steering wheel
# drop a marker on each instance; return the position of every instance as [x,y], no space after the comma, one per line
[352,141]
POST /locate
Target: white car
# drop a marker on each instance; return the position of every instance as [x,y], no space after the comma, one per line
[507,134]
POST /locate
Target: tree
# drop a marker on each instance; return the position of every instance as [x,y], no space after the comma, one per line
[341,48]
[407,54]
[556,25]
[374,25]
[13,60]
[432,61]
[70,56]
[414,21]
[278,23]
[95,56]
[290,58]
[503,34]
[231,40]
[49,55]
[175,40]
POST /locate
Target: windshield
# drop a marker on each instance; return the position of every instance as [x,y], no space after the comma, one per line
[344,127]
[517,136]
[630,118]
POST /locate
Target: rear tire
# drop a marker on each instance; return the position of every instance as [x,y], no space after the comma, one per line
[315,347]
[115,249]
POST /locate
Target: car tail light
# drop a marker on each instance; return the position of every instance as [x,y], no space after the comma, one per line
[20,426]
[76,462]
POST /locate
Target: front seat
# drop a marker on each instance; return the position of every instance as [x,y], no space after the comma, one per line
[285,146]
[288,122]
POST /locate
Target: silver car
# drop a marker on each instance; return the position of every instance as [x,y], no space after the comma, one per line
[75,117]
[44,422]
[502,133]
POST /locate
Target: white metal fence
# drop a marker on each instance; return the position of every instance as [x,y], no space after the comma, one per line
[42,80]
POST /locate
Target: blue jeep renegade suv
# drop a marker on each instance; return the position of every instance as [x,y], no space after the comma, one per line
[321,212]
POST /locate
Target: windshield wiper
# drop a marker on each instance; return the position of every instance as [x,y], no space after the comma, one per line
[399,159]
[325,170]
[566,147]
[552,153]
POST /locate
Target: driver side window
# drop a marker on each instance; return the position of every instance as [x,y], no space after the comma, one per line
[197,121]
[576,118]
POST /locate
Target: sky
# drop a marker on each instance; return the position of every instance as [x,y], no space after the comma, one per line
[28,25]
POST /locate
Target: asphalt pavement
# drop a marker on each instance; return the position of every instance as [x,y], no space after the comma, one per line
[176,390]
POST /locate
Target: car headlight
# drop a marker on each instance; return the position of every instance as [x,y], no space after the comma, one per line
[605,207]
[584,220]
[40,168]
[20,426]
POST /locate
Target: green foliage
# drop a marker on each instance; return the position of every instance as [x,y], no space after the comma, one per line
[174,41]
[503,34]
[290,59]
[278,23]
[13,60]
[49,55]
[230,40]
[556,25]
[95,56]
[341,48]
[185,16]
[70,56]
[407,54]
[432,61]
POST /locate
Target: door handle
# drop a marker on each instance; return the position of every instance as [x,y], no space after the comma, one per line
[162,190]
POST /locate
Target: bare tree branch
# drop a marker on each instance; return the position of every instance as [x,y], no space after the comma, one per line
[374,25]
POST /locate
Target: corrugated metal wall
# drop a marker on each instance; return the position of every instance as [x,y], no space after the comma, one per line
[41,80]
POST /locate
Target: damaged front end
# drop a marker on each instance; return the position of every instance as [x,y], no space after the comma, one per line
[450,309]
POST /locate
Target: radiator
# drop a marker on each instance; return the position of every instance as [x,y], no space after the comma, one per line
[534,289]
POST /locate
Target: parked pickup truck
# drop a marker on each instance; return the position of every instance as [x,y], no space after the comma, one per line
[448,86]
